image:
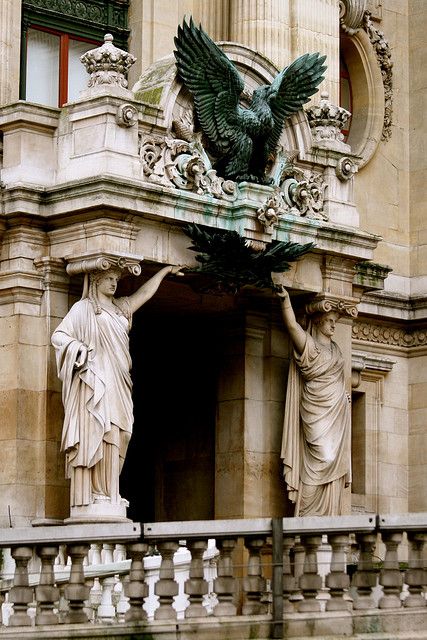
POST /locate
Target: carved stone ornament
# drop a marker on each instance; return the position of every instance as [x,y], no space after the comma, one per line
[326,122]
[383,54]
[327,303]
[183,164]
[107,64]
[351,15]
[127,115]
[345,169]
[103,261]
[299,193]
[389,335]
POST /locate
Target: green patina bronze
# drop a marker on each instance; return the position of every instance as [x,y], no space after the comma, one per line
[242,139]
[226,257]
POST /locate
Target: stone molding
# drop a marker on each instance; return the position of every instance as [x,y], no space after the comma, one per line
[394,336]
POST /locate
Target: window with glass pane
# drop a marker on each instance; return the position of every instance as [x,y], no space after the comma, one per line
[42,67]
[346,99]
[77,74]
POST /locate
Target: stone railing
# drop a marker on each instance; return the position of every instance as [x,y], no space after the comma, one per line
[298,576]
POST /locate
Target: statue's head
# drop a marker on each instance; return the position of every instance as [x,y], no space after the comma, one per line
[104,281]
[325,323]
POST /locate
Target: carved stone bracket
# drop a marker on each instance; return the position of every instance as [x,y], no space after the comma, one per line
[107,64]
[351,15]
[183,164]
[324,303]
[102,261]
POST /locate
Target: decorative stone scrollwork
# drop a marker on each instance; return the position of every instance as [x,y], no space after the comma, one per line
[327,304]
[107,64]
[102,262]
[127,115]
[383,54]
[345,169]
[351,15]
[326,122]
[183,164]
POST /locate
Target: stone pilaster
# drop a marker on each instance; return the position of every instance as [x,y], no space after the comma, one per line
[10,45]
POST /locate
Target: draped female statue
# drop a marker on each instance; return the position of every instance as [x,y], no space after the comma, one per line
[316,434]
[93,360]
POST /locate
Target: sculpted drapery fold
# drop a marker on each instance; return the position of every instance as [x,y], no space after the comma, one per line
[96,397]
[316,434]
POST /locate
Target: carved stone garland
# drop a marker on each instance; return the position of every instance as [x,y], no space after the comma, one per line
[383,54]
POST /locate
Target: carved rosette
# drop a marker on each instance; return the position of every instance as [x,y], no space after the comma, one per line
[127,115]
[345,169]
[102,262]
[392,336]
[107,64]
[351,15]
[326,121]
[328,303]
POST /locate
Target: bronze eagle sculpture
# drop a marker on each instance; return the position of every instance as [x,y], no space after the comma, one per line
[243,139]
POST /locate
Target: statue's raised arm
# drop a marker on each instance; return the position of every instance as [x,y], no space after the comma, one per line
[93,360]
[316,431]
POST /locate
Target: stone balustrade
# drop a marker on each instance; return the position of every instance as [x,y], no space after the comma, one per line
[331,575]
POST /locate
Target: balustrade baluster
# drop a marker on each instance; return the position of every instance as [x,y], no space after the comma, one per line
[107,553]
[196,586]
[390,574]
[416,576]
[94,554]
[254,584]
[365,577]
[76,590]
[310,582]
[106,609]
[119,596]
[166,587]
[289,582]
[119,553]
[338,580]
[1,604]
[225,584]
[95,597]
[136,589]
[47,594]
[21,594]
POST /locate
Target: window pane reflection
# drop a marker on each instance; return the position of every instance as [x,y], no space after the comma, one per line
[42,82]
[77,74]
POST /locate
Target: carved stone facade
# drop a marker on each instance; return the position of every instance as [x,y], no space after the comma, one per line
[121,170]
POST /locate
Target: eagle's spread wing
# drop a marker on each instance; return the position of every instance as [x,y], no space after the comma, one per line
[292,88]
[214,82]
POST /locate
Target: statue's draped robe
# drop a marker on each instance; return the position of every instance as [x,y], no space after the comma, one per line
[97,398]
[316,435]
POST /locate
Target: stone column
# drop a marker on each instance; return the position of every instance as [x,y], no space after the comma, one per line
[315,26]
[264,27]
[10,47]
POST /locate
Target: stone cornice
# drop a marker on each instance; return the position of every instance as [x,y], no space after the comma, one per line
[58,205]
[27,114]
